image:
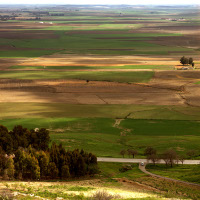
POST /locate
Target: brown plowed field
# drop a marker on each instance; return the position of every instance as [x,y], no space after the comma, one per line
[167,88]
[94,60]
[28,35]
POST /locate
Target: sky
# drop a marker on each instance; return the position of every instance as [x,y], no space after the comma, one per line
[130,2]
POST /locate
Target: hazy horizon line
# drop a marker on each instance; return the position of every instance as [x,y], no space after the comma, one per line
[196,4]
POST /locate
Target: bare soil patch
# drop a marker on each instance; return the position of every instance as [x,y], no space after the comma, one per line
[86,60]
[192,41]
[94,60]
[28,35]
[9,26]
[94,92]
[179,28]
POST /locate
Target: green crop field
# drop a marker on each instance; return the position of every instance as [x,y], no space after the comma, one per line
[157,67]
[78,42]
[95,27]
[100,136]
[26,53]
[128,77]
[60,110]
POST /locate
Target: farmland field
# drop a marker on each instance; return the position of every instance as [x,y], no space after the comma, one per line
[70,67]
[105,80]
[100,135]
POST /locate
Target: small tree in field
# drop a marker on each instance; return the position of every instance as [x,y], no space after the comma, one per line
[191,61]
[170,156]
[193,64]
[191,153]
[123,152]
[184,61]
[149,151]
[182,158]
[154,158]
[132,152]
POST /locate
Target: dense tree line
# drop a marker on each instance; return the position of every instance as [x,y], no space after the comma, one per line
[26,154]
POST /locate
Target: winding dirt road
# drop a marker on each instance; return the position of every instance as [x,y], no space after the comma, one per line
[143,169]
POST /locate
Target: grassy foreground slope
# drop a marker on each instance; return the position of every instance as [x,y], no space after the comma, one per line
[189,173]
[132,184]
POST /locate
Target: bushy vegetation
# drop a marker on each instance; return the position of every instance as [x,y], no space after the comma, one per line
[26,154]
[104,195]
[6,196]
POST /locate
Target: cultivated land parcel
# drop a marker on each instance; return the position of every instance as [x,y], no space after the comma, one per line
[102,79]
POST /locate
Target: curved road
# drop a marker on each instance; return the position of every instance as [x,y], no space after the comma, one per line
[143,169]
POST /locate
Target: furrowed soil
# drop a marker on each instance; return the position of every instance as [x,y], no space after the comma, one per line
[165,88]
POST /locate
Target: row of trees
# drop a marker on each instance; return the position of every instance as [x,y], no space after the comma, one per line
[29,156]
[187,61]
[170,156]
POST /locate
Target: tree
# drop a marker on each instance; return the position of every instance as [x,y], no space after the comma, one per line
[123,152]
[181,158]
[54,154]
[191,153]
[43,139]
[34,168]
[184,60]
[43,160]
[193,64]
[19,163]
[190,61]
[80,167]
[53,171]
[6,141]
[10,167]
[65,171]
[20,137]
[32,157]
[2,161]
[153,158]
[132,152]
[169,156]
[149,151]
